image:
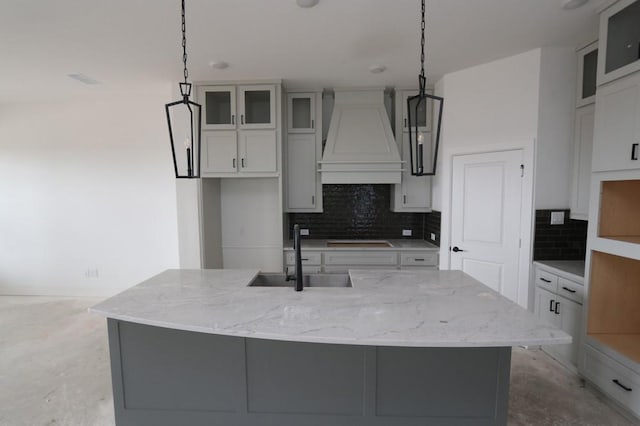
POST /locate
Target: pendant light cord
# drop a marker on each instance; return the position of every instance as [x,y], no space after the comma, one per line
[184,42]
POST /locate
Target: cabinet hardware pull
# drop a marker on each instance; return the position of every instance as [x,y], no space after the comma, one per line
[241,118]
[242,161]
[313,200]
[556,309]
[405,123]
[305,258]
[617,382]
[568,289]
[404,199]
[417,259]
[551,305]
[233,119]
[545,280]
[234,163]
[313,124]
[634,152]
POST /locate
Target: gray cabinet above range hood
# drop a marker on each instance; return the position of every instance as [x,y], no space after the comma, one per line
[360,144]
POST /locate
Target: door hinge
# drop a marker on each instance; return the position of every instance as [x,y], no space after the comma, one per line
[521,170]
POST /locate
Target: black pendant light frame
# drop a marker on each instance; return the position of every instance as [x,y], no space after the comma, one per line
[416,149]
[195,114]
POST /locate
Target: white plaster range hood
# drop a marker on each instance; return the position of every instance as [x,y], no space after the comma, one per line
[360,145]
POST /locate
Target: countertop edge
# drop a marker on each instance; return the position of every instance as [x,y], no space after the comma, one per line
[560,272]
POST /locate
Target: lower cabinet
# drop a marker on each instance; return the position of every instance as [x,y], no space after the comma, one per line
[554,308]
[335,261]
[613,378]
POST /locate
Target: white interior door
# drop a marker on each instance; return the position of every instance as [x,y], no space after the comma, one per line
[485,218]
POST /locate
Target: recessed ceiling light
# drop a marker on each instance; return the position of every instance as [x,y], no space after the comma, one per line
[573,4]
[219,65]
[83,78]
[306,3]
[377,69]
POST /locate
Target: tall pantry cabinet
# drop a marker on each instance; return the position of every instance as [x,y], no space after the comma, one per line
[611,351]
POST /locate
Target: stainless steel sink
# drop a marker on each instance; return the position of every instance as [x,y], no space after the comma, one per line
[311,280]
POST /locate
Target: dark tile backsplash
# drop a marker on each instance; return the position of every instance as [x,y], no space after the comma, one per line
[432,225]
[559,242]
[358,212]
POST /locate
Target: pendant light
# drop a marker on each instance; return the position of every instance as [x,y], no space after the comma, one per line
[184,117]
[416,106]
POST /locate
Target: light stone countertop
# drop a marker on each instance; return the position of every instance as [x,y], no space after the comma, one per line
[311,244]
[569,269]
[383,308]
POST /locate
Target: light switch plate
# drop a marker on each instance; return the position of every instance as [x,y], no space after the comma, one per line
[304,231]
[433,236]
[406,232]
[557,218]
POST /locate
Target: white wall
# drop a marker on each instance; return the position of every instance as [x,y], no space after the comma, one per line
[85,186]
[486,107]
[556,112]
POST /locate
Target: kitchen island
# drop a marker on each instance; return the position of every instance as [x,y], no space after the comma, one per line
[397,348]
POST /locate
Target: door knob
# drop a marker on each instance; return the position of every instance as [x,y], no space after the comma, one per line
[456,249]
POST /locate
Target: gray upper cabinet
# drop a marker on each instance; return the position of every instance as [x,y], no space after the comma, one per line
[587,73]
[619,42]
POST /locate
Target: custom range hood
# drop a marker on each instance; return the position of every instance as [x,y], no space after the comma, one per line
[360,145]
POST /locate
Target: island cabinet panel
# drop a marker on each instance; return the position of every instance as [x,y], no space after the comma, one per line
[165,377]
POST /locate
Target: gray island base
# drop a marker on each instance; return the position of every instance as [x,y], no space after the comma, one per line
[398,348]
[173,377]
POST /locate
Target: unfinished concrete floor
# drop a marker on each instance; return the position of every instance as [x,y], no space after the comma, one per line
[54,370]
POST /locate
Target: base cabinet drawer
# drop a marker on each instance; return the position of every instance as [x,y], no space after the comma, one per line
[360,258]
[616,380]
[308,258]
[419,259]
[546,280]
[343,269]
[570,290]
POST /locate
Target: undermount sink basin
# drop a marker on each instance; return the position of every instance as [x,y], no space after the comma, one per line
[315,280]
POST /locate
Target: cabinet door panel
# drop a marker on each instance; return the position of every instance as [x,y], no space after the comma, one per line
[257,107]
[416,190]
[258,151]
[617,125]
[218,107]
[545,307]
[423,115]
[301,113]
[570,314]
[583,150]
[219,153]
[301,171]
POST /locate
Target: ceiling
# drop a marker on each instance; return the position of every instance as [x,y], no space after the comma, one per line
[134,45]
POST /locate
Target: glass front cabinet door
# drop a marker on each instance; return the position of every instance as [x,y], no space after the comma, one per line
[587,71]
[301,112]
[619,40]
[257,106]
[219,107]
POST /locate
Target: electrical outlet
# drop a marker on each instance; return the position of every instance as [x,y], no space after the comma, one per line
[406,232]
[433,236]
[557,218]
[304,231]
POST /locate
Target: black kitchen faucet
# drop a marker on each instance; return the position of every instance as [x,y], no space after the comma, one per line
[298,250]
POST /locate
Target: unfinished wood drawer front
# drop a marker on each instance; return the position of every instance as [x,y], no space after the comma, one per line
[570,290]
[546,280]
[419,259]
[308,258]
[613,378]
[360,258]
